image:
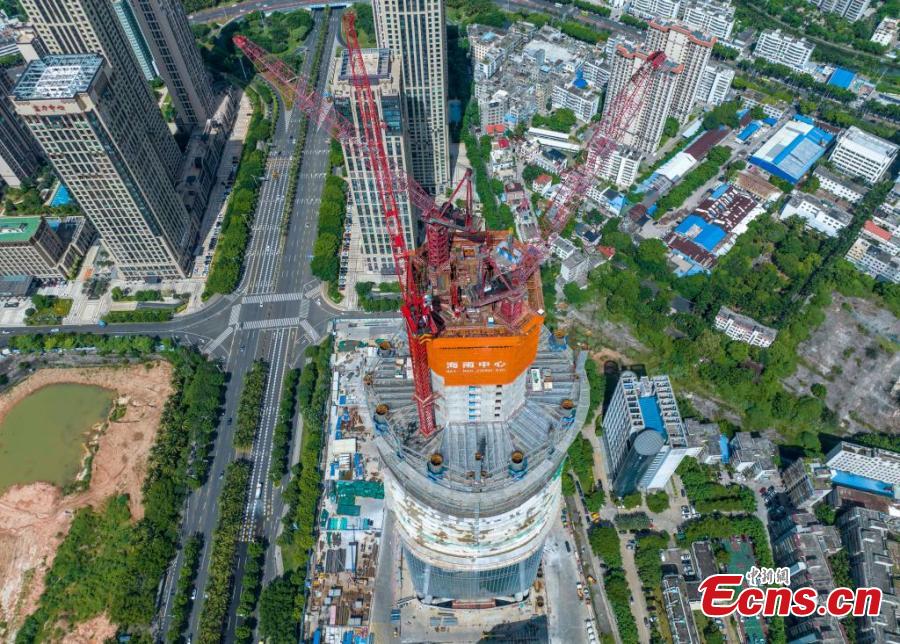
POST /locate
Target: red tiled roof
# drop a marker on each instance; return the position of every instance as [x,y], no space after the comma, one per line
[689,249]
[608,251]
[706,142]
[876,231]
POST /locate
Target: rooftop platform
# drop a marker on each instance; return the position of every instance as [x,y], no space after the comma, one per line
[57,77]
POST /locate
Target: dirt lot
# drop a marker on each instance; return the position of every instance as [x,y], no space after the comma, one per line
[855,354]
[35,518]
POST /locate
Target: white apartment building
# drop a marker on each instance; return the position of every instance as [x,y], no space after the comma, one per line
[645,130]
[852,10]
[621,167]
[784,49]
[714,17]
[368,221]
[109,165]
[838,185]
[714,84]
[743,328]
[649,9]
[864,155]
[817,214]
[685,47]
[876,251]
[886,32]
[583,101]
[870,462]
[415,30]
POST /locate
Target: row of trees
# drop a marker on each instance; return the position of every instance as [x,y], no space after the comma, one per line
[326,259]
[716,157]
[184,590]
[479,153]
[223,552]
[284,426]
[228,260]
[140,316]
[107,564]
[788,75]
[251,584]
[249,409]
[282,601]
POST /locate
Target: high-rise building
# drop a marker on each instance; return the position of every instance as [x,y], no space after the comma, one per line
[90,26]
[806,482]
[784,49]
[852,10]
[475,500]
[19,152]
[415,31]
[166,29]
[645,130]
[685,47]
[710,16]
[860,154]
[135,38]
[42,248]
[714,84]
[110,165]
[644,437]
[368,219]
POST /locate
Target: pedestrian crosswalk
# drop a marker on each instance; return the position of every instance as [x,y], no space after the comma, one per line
[304,308]
[276,323]
[216,342]
[266,298]
[311,333]
[315,291]
[235,315]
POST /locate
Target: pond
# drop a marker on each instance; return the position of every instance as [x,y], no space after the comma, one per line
[42,437]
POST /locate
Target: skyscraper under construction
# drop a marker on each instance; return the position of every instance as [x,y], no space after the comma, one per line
[475,499]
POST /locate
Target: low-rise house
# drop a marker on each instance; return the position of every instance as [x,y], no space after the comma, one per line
[752,456]
[744,328]
[817,214]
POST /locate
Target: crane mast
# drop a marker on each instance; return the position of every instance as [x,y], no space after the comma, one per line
[420,322]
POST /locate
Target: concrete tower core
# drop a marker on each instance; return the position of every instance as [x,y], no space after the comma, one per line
[475,500]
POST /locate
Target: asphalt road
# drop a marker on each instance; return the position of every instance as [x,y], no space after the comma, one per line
[228,13]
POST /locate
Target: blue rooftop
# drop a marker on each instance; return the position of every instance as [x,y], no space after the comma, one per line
[726,450]
[863,483]
[790,153]
[842,78]
[707,237]
[719,191]
[748,131]
[652,416]
[770,121]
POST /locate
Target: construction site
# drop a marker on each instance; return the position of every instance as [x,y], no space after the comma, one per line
[470,407]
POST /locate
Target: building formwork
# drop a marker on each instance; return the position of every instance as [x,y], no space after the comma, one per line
[475,500]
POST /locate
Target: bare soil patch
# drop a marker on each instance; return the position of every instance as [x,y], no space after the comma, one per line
[35,518]
[855,355]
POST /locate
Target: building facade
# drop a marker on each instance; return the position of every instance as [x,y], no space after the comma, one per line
[19,152]
[687,48]
[839,186]
[711,17]
[622,166]
[783,49]
[135,38]
[863,155]
[581,100]
[43,248]
[867,462]
[714,84]
[817,214]
[79,27]
[165,25]
[649,9]
[806,483]
[643,434]
[386,81]
[415,31]
[743,328]
[645,130]
[108,164]
[852,10]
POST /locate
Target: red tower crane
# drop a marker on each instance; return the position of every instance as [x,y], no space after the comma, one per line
[420,323]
